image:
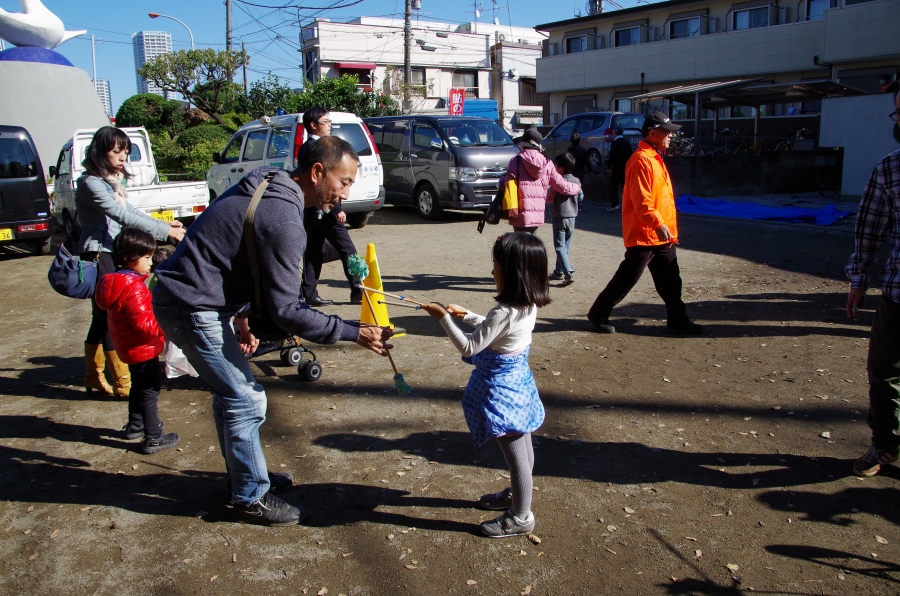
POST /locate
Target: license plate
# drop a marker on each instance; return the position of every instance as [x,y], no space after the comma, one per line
[163,215]
[6,234]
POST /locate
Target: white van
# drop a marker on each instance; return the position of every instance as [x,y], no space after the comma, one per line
[276,141]
[167,201]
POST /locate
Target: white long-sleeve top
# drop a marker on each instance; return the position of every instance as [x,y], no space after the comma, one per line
[505,330]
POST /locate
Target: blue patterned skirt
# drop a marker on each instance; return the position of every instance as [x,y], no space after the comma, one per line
[501,397]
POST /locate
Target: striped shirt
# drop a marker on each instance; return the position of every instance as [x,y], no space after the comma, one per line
[879,220]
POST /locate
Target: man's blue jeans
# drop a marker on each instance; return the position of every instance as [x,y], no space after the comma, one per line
[563,228]
[239,402]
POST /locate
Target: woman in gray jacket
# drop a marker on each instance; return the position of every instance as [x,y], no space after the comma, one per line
[101,203]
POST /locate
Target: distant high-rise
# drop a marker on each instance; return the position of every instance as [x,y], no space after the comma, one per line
[102,88]
[147,46]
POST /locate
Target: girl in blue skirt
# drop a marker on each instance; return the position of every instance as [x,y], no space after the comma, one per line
[501,400]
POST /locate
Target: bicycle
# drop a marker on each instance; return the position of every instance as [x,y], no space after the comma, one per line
[828,181]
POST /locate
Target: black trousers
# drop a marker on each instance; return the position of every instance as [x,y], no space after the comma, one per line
[143,399]
[883,366]
[97,332]
[317,232]
[663,265]
[616,179]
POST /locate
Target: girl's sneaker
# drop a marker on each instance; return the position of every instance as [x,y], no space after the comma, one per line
[497,501]
[508,525]
[133,432]
[165,441]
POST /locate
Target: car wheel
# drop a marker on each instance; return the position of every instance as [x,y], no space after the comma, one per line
[358,220]
[41,247]
[427,202]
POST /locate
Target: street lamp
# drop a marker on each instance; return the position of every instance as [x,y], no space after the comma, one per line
[154,15]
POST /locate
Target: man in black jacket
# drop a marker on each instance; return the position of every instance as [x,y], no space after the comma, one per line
[208,280]
[619,152]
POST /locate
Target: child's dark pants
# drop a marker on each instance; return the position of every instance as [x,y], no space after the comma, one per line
[143,399]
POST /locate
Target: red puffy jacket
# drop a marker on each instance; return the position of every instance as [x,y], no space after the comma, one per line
[129,311]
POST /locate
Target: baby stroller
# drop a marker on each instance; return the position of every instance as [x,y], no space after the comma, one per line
[291,351]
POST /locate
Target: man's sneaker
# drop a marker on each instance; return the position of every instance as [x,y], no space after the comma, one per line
[689,328]
[616,208]
[602,325]
[873,459]
[497,501]
[570,279]
[278,483]
[269,511]
[508,525]
[555,277]
[133,432]
[165,441]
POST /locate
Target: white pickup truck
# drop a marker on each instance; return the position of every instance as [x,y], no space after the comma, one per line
[166,201]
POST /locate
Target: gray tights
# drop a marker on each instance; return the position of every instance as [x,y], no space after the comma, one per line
[519,456]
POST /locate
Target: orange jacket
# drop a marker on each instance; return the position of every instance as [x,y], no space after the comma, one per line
[647,199]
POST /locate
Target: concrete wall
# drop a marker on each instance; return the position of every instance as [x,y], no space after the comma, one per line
[862,31]
[860,125]
[50,101]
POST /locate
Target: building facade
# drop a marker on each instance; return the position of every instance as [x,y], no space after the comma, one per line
[598,62]
[102,88]
[443,56]
[148,45]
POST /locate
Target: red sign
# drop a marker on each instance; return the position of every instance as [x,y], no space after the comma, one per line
[457,100]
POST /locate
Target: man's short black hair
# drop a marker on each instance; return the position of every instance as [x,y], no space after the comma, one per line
[575,139]
[328,151]
[566,161]
[312,115]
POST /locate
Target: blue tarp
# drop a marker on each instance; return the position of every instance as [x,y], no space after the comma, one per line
[487,108]
[823,216]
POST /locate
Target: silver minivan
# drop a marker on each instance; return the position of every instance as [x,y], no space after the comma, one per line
[596,130]
[441,162]
[276,141]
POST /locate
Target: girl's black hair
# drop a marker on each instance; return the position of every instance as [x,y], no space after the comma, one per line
[131,244]
[522,259]
[105,140]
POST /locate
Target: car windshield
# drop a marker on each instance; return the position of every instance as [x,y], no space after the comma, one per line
[628,121]
[469,132]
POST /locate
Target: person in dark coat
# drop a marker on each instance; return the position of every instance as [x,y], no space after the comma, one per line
[619,153]
[580,155]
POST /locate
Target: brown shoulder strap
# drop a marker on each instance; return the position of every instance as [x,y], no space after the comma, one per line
[250,237]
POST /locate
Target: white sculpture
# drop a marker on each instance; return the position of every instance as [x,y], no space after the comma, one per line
[35,26]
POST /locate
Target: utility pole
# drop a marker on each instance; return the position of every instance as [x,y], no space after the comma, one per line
[93,63]
[228,25]
[244,52]
[407,42]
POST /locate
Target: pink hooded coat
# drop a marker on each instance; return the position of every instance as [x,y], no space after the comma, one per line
[534,174]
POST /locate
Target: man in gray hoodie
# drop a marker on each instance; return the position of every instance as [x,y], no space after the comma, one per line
[208,280]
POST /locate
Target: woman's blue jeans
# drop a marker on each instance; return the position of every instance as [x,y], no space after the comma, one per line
[239,402]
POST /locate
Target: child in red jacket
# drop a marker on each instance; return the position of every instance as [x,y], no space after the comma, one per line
[136,336]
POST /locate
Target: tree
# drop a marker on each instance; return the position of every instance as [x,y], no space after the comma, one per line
[343,95]
[231,96]
[152,112]
[185,70]
[267,95]
[397,88]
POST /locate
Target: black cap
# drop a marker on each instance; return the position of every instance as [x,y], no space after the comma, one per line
[658,120]
[531,137]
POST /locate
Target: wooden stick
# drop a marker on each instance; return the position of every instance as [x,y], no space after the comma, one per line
[397,296]
[374,316]
[399,304]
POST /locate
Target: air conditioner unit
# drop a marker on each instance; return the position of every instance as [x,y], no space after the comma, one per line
[498,37]
[554,48]
[601,41]
[713,24]
[784,14]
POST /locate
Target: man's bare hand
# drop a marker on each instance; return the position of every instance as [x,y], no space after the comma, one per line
[854,300]
[374,338]
[341,217]
[663,233]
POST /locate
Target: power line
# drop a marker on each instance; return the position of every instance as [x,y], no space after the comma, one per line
[298,7]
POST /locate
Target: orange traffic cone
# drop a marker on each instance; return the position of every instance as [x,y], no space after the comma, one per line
[375,312]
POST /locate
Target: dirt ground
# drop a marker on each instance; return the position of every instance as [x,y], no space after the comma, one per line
[712,465]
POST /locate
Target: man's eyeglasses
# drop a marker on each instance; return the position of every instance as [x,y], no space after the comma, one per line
[324,122]
[895,115]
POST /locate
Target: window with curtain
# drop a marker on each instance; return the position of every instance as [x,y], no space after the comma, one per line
[751,18]
[576,44]
[684,28]
[628,37]
[467,79]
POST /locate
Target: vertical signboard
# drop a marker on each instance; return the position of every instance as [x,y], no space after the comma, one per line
[457,100]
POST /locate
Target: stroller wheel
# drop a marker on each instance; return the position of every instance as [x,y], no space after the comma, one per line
[291,356]
[310,370]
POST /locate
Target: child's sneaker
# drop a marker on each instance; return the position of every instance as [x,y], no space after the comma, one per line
[497,501]
[508,525]
[270,511]
[165,441]
[133,432]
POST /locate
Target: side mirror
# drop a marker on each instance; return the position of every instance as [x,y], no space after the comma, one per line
[437,144]
[53,171]
[216,157]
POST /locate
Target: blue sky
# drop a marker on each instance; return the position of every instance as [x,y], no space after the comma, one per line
[271,35]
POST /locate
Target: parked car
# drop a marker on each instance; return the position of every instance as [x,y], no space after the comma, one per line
[24,203]
[276,141]
[441,162]
[168,201]
[596,130]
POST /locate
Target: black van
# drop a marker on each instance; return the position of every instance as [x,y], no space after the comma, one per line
[441,162]
[24,203]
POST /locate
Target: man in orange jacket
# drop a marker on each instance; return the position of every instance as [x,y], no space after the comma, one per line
[650,232]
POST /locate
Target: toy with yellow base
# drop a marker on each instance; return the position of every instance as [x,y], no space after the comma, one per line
[373,312]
